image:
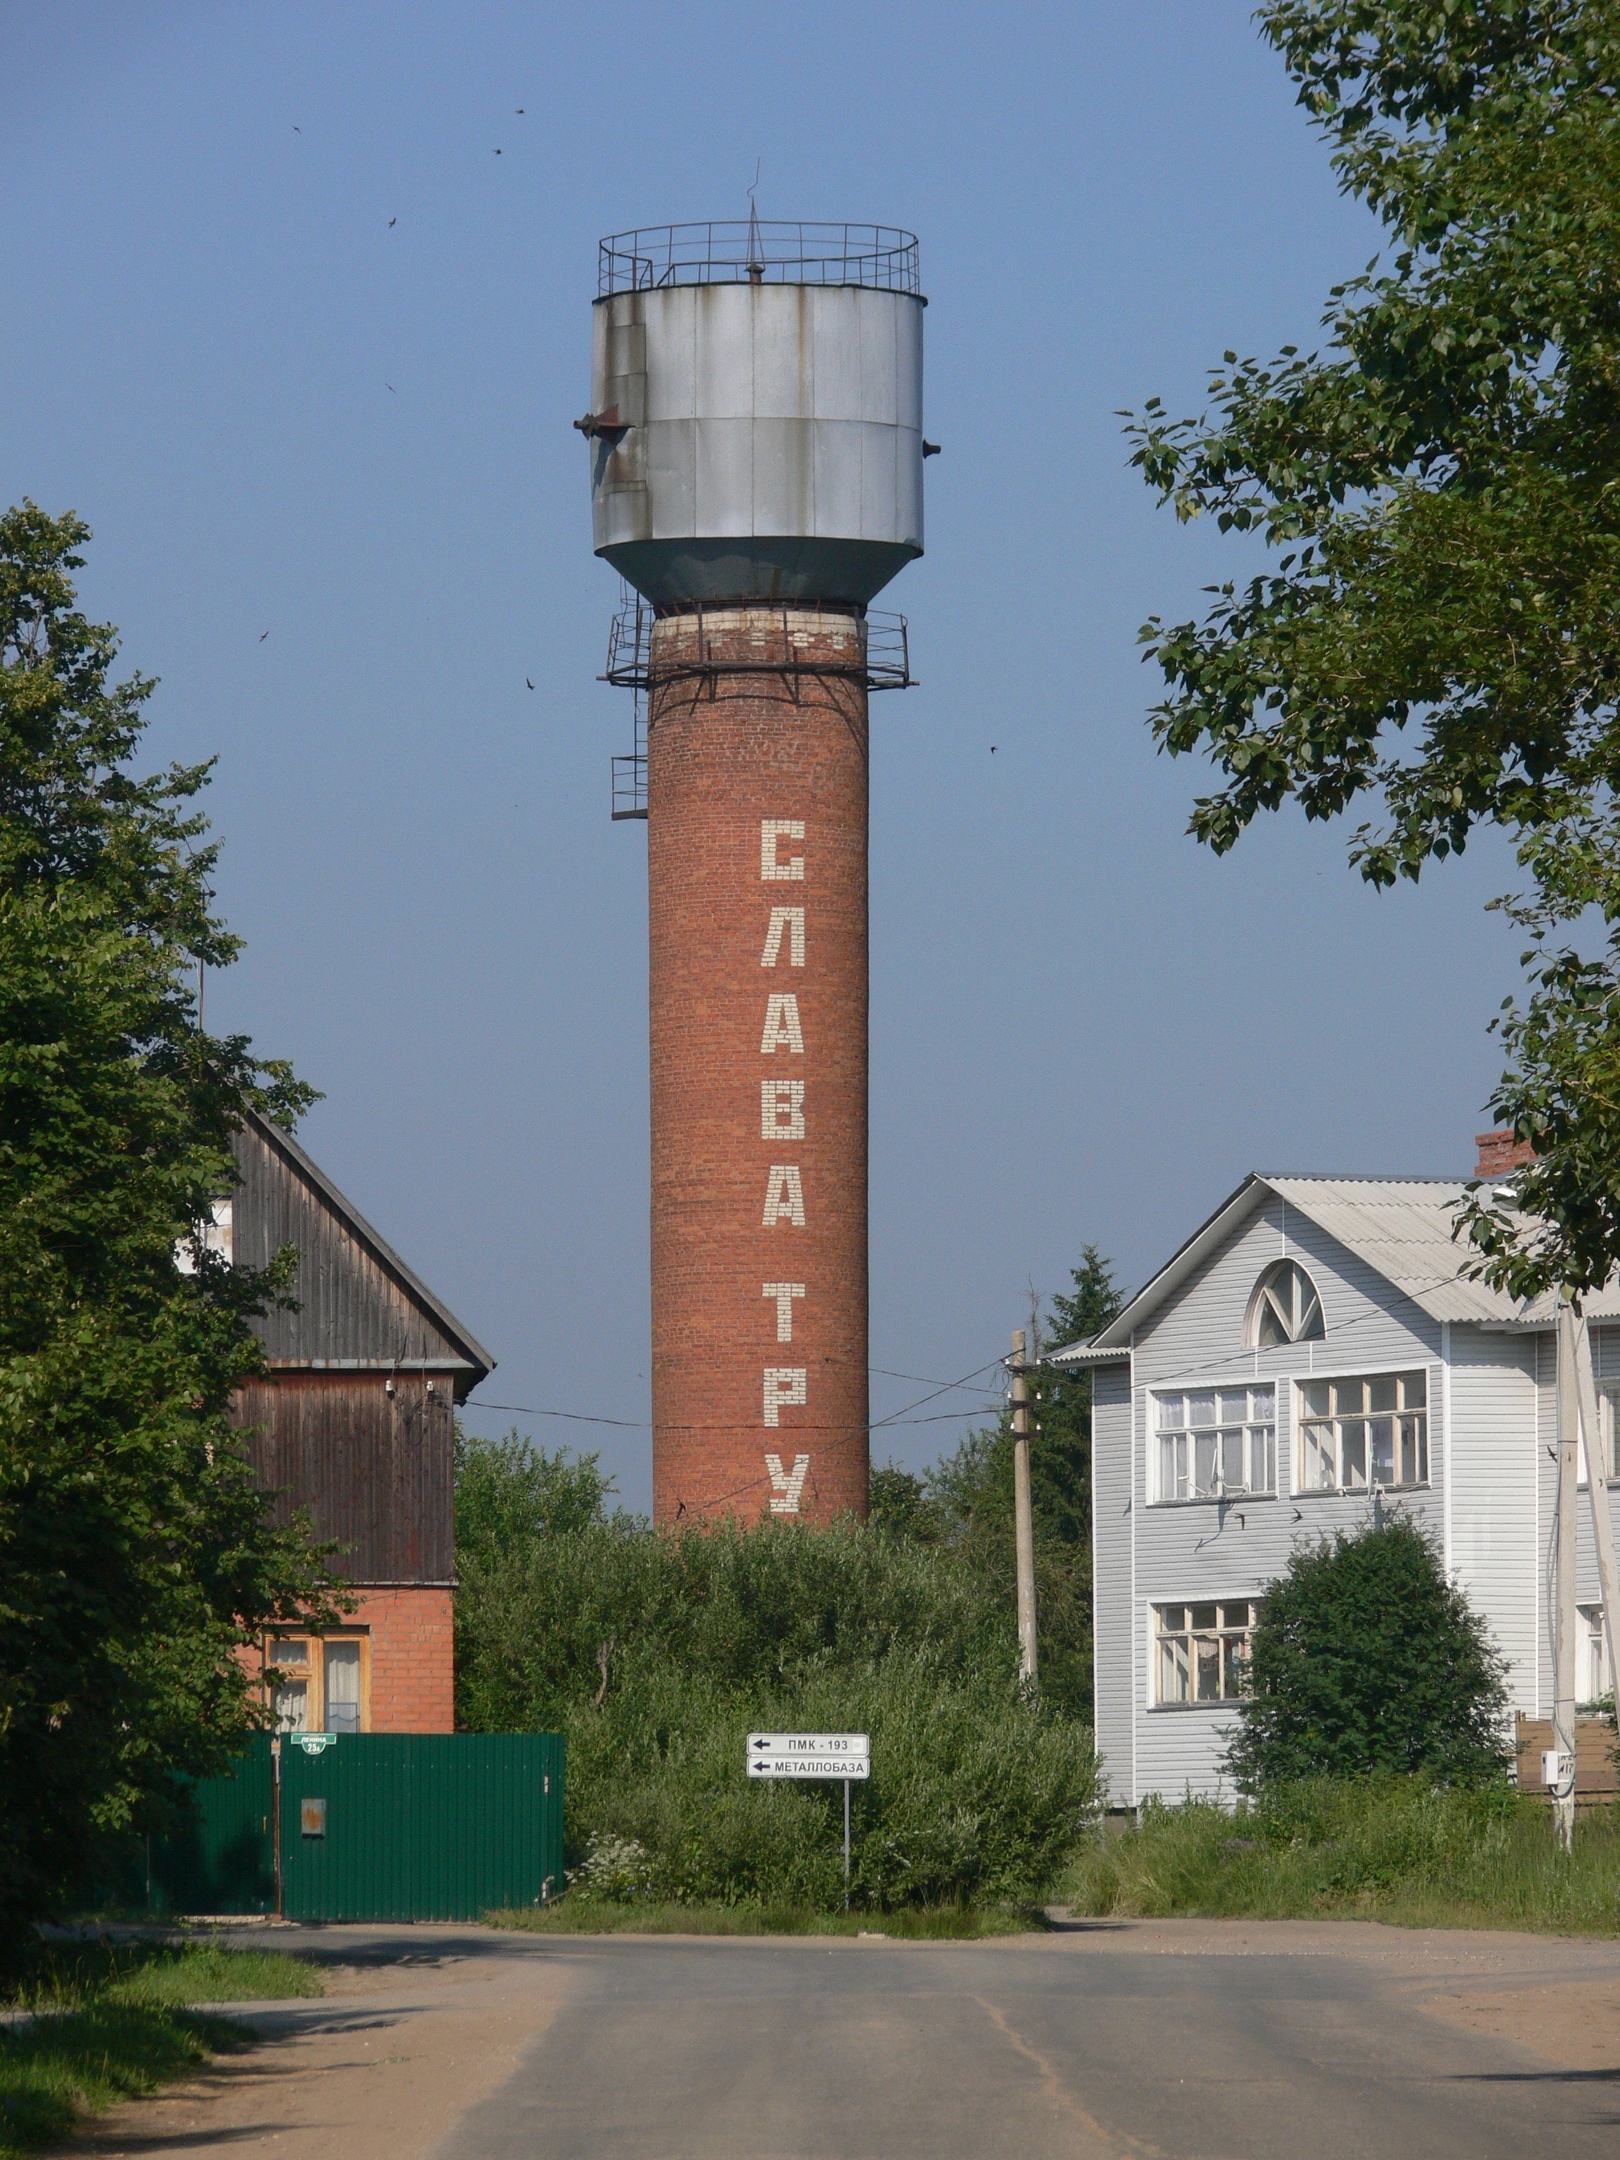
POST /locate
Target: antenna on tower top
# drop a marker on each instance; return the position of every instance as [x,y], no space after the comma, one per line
[756,250]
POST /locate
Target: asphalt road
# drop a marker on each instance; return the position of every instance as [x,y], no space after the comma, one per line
[803,2049]
[1236,2040]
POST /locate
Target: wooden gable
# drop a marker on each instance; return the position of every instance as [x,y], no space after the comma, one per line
[359,1307]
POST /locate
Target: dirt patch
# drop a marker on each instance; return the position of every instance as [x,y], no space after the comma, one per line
[371,2071]
[1573,2022]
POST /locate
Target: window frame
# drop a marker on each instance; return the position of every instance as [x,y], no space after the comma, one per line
[1299,1419]
[1219,1631]
[1249,1385]
[312,1671]
[1608,1401]
[1593,1681]
[1257,1306]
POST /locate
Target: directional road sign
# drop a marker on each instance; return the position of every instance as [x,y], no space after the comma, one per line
[809,1754]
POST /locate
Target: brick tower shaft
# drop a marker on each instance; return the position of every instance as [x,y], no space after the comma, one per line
[757,898]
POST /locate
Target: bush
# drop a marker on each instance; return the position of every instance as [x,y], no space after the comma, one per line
[655,1654]
[1367,1660]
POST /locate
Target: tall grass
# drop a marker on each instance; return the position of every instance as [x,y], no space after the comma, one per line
[58,2069]
[656,1654]
[59,1976]
[109,2023]
[1399,1849]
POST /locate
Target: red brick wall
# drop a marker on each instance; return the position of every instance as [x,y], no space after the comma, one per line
[726,753]
[1498,1152]
[412,1632]
[411,1657]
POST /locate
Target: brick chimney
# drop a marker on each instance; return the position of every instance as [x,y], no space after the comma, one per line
[1500,1151]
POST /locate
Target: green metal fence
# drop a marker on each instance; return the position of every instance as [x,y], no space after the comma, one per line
[377,1826]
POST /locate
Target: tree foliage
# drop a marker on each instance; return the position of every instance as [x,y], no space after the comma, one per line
[134,1552]
[1440,631]
[965,1501]
[1365,1660]
[655,1654]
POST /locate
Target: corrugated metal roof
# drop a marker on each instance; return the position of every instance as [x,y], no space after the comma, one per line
[1402,1227]
[358,1303]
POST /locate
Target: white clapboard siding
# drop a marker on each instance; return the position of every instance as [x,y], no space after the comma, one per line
[1605,1366]
[1495,1559]
[1203,1550]
[1111,1576]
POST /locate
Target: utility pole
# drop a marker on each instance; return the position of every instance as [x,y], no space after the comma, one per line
[1564,1613]
[1023,1514]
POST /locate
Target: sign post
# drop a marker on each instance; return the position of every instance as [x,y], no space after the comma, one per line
[846,1844]
[843,1755]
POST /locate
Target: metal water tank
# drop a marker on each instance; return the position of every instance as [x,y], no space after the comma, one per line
[756,411]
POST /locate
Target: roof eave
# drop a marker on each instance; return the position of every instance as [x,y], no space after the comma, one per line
[278,1137]
[1083,1354]
[1182,1263]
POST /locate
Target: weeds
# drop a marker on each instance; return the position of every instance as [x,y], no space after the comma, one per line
[1397,1849]
[109,2024]
[600,1916]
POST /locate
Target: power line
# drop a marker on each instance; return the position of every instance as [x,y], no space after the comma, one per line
[899,1417]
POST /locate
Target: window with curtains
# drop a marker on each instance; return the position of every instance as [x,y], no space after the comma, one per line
[318,1683]
[1201,1652]
[1366,1431]
[1214,1443]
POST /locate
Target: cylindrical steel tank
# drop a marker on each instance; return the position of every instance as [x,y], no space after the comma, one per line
[756,473]
[758,438]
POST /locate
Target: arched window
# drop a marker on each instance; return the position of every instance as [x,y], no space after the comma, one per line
[1285,1308]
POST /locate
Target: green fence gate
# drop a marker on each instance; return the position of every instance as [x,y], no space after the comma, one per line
[376,1826]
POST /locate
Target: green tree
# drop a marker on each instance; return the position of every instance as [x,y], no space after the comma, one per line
[1440,634]
[966,1499]
[134,1553]
[899,1506]
[1367,1659]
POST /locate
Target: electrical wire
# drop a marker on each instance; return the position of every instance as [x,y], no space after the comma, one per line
[899,1417]
[1215,1365]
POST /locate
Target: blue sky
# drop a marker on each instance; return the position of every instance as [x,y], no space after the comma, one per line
[304,350]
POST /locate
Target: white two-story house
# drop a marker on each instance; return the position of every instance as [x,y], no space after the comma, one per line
[1315,1350]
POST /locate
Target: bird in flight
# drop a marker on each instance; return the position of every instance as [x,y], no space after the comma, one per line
[520,108]
[497,150]
[392,222]
[263,634]
[297,130]
[528,680]
[992,749]
[389,386]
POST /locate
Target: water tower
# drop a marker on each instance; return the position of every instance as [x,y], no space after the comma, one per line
[756,453]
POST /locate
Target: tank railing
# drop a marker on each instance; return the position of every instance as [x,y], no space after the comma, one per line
[888,653]
[740,251]
[886,664]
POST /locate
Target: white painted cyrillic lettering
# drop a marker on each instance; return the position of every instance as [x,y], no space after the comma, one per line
[782,1030]
[784,1196]
[786,1486]
[784,1294]
[772,829]
[784,1386]
[790,919]
[781,1109]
